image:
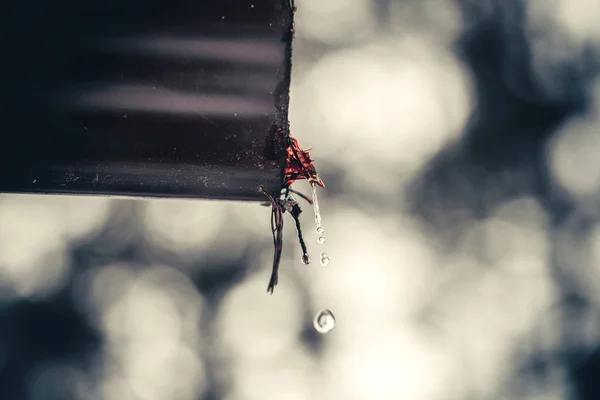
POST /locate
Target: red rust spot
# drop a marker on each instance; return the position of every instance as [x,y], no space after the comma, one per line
[299,165]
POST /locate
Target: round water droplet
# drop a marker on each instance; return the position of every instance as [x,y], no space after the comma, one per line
[324,259]
[305,259]
[324,321]
[321,239]
[320,230]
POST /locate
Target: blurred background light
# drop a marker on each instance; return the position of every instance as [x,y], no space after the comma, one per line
[387,107]
[251,324]
[573,154]
[335,22]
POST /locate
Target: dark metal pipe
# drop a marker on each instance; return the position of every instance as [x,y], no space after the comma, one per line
[146,98]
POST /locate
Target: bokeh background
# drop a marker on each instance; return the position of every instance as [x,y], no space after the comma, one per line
[460,144]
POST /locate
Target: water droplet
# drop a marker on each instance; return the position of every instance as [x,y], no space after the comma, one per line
[324,259]
[305,259]
[321,239]
[319,230]
[324,321]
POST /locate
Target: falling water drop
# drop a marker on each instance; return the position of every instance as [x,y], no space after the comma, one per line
[305,259]
[324,259]
[321,239]
[324,321]
[319,230]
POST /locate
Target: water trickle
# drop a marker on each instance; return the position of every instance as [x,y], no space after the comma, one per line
[324,259]
[313,191]
[321,239]
[305,259]
[324,321]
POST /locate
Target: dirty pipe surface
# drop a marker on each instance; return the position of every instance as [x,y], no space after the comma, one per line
[162,98]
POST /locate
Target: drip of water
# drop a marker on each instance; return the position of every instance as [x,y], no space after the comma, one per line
[305,259]
[324,321]
[313,190]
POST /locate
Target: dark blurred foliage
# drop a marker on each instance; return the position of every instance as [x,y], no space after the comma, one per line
[504,152]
